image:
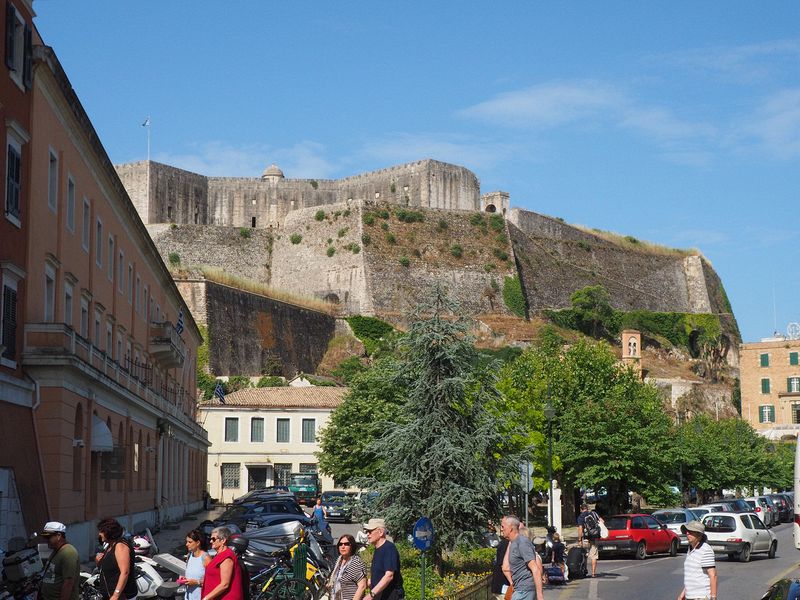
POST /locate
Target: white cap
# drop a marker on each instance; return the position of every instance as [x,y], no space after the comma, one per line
[54,527]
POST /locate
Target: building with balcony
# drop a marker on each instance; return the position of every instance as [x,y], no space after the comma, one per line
[769,372]
[101,346]
[260,435]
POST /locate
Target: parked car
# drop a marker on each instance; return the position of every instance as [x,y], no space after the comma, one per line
[267,492]
[774,507]
[784,507]
[673,518]
[240,514]
[337,505]
[783,589]
[762,509]
[739,505]
[725,506]
[638,535]
[739,535]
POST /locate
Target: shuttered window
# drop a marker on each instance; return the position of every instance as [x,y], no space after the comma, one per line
[764,358]
[257,429]
[309,431]
[765,386]
[231,429]
[9,331]
[282,429]
[766,413]
[793,358]
[13,180]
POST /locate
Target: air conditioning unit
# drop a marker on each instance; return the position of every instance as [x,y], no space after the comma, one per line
[78,443]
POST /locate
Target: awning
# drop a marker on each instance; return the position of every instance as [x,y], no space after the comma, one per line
[102,440]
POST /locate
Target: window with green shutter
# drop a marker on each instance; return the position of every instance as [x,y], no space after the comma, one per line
[765,386]
[764,360]
[766,413]
[793,358]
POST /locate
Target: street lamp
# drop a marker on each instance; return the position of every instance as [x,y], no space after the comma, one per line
[549,414]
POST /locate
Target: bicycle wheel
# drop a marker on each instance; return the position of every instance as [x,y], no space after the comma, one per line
[291,589]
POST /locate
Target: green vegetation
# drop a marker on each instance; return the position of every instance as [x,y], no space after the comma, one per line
[370,331]
[174,259]
[330,241]
[476,219]
[330,251]
[271,381]
[404,261]
[295,238]
[441,225]
[385,226]
[584,246]
[342,232]
[368,218]
[501,238]
[348,369]
[236,383]
[383,213]
[500,254]
[631,239]
[319,215]
[497,222]
[314,183]
[489,267]
[365,239]
[353,247]
[346,213]
[390,239]
[409,216]
[245,232]
[456,250]
[392,188]
[513,296]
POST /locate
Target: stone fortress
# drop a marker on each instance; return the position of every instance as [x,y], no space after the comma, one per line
[347,241]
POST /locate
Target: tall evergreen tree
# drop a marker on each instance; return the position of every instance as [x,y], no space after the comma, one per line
[445,458]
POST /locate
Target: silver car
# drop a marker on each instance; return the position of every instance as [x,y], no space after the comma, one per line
[739,535]
[762,509]
[673,518]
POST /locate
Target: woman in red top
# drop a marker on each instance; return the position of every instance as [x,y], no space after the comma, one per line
[223,580]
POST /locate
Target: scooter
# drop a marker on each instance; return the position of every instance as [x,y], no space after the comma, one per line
[149,582]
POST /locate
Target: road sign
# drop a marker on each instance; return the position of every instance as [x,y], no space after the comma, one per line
[423,534]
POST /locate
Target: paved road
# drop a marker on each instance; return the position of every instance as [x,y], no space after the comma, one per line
[661,578]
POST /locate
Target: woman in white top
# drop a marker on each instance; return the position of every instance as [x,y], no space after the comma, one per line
[699,569]
[196,564]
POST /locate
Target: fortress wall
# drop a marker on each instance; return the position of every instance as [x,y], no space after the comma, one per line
[194,294]
[395,288]
[134,178]
[247,332]
[553,269]
[542,226]
[696,285]
[305,268]
[221,247]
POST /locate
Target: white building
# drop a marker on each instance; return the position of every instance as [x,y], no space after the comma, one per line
[260,435]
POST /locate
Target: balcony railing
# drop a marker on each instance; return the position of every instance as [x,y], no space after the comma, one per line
[49,344]
[166,346]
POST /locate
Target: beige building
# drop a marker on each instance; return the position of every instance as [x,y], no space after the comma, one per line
[770,380]
[261,435]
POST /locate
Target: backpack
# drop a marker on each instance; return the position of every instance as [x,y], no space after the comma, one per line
[591,526]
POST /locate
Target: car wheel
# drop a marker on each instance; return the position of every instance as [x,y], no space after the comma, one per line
[744,555]
[641,551]
[773,549]
[673,548]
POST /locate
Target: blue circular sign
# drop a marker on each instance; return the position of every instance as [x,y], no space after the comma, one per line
[423,534]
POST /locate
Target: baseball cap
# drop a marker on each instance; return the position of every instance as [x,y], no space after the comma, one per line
[375,524]
[695,526]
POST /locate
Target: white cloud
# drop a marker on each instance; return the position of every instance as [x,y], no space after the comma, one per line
[546,105]
[775,126]
[461,150]
[221,159]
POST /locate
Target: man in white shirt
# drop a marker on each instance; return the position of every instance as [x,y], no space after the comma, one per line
[699,569]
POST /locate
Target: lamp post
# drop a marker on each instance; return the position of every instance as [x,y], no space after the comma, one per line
[549,414]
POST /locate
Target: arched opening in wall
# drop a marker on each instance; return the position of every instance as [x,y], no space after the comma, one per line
[78,444]
[491,208]
[332,298]
[253,222]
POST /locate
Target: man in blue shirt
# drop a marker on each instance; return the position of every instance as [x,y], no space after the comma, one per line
[522,565]
[386,581]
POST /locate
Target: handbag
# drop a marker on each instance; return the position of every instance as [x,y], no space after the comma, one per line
[509,592]
[603,529]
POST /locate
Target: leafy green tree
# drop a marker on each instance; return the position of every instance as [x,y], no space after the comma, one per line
[376,396]
[592,305]
[445,458]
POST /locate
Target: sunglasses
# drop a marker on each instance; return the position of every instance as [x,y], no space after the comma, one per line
[343,544]
[214,539]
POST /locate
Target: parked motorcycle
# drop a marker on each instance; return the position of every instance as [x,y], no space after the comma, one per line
[149,582]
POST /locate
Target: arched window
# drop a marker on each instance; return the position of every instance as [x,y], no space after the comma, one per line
[78,444]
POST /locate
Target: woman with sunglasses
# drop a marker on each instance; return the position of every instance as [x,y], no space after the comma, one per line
[349,577]
[196,564]
[223,579]
[117,577]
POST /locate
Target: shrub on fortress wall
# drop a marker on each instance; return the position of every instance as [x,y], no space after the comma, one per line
[513,296]
[370,331]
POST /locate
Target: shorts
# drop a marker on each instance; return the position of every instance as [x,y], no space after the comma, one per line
[594,553]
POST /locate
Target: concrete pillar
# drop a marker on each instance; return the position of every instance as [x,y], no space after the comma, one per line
[557,506]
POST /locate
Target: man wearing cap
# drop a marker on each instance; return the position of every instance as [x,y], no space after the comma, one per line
[386,581]
[61,574]
[699,568]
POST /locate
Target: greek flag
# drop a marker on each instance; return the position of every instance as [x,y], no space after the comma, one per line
[219,392]
[179,324]
[146,122]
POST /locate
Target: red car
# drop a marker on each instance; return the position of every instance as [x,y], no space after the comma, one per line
[638,535]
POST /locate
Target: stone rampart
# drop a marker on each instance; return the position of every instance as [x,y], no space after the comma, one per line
[248,332]
[222,247]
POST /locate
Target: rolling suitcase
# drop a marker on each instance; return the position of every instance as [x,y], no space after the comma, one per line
[576,563]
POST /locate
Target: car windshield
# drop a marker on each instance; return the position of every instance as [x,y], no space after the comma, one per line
[668,516]
[616,523]
[720,523]
[299,480]
[333,496]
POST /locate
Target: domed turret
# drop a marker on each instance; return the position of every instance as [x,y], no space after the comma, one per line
[272,173]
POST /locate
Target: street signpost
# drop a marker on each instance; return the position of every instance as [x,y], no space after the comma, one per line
[423,535]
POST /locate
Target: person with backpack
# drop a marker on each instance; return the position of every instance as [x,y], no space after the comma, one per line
[589,530]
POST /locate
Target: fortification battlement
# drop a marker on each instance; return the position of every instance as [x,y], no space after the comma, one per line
[166,194]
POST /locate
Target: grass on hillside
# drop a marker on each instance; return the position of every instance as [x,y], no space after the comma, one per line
[631,243]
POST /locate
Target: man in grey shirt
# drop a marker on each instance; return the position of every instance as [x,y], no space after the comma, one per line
[522,565]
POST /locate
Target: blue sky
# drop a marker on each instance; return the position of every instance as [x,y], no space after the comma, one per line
[678,124]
